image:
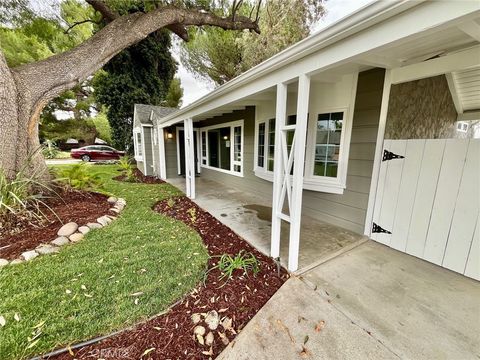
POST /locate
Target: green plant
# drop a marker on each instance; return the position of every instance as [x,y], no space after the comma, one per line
[125,164]
[24,194]
[193,214]
[50,149]
[80,176]
[170,202]
[242,261]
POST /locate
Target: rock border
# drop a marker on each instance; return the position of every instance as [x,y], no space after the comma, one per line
[69,233]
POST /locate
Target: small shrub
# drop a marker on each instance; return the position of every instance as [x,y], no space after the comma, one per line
[127,169]
[24,195]
[79,177]
[242,261]
[170,202]
[50,150]
[193,214]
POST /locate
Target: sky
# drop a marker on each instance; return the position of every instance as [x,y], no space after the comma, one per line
[194,89]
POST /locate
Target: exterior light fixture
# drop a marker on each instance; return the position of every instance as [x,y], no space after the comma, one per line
[169,135]
[225,137]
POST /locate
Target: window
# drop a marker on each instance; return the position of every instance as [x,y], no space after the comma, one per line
[222,147]
[326,150]
[327,144]
[137,144]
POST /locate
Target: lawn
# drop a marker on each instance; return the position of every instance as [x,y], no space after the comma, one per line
[117,276]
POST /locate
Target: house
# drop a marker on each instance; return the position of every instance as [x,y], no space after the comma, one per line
[370,125]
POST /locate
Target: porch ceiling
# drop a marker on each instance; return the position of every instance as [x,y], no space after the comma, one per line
[466,85]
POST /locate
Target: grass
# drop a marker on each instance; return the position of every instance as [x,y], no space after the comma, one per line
[86,290]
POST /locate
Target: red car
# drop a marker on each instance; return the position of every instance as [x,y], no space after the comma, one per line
[96,153]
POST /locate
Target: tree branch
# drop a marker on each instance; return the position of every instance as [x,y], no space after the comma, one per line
[180,30]
[79,23]
[100,6]
[41,81]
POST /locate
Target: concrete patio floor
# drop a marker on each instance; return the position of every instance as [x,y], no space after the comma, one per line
[376,303]
[250,217]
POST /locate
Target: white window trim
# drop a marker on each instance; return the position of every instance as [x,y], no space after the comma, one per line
[137,131]
[196,132]
[316,183]
[232,125]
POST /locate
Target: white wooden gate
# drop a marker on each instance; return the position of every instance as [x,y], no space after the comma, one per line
[428,201]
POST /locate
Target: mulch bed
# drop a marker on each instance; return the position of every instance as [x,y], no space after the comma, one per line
[171,335]
[70,205]
[139,177]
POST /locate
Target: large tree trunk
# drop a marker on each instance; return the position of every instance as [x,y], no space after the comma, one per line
[24,91]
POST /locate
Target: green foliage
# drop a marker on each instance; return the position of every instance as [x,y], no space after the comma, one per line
[24,195]
[80,176]
[139,74]
[66,129]
[242,261]
[219,56]
[50,150]
[192,212]
[175,94]
[127,169]
[104,131]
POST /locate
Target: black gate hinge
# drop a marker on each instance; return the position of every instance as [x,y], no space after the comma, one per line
[388,155]
[378,229]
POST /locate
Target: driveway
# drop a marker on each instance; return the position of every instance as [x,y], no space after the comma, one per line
[372,302]
[62,161]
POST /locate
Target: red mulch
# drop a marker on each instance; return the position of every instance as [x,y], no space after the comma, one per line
[139,177]
[239,299]
[26,234]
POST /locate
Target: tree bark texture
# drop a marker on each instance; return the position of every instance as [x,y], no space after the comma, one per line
[25,90]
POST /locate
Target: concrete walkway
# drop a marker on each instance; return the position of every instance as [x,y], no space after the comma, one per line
[376,303]
[250,217]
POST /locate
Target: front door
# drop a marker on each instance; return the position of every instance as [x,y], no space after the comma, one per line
[427,201]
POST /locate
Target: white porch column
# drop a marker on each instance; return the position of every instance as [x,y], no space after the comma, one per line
[278,167]
[189,158]
[298,170]
[161,150]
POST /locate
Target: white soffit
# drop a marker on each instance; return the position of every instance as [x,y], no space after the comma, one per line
[466,89]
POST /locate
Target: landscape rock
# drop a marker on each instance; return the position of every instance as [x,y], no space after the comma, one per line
[212,319]
[112,200]
[76,237]
[84,229]
[46,249]
[16,261]
[67,229]
[94,225]
[199,330]
[121,201]
[209,339]
[115,210]
[3,262]
[119,206]
[104,220]
[60,241]
[29,255]
[196,318]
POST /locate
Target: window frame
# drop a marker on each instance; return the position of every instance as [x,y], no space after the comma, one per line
[232,125]
[312,182]
[138,148]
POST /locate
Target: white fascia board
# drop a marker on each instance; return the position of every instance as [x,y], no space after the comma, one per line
[147,125]
[365,32]
[461,60]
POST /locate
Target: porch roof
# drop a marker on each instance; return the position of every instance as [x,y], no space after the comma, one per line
[381,34]
[143,113]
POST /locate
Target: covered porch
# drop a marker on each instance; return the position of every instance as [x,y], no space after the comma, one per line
[250,216]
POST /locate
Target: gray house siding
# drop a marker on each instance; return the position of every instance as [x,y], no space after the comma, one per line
[171,155]
[347,210]
[147,156]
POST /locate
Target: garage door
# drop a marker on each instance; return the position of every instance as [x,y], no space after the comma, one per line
[428,201]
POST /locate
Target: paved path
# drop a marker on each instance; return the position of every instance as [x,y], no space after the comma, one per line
[62,161]
[376,303]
